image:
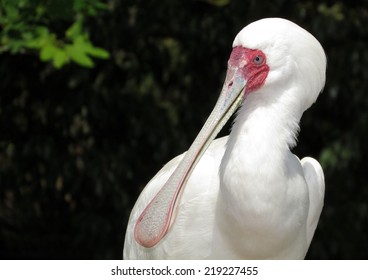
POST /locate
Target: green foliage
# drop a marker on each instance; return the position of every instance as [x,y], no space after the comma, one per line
[34,25]
[77,145]
[335,11]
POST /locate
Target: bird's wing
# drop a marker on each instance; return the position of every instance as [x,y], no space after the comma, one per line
[197,192]
[314,177]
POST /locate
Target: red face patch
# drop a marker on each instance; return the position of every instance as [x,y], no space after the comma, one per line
[252,64]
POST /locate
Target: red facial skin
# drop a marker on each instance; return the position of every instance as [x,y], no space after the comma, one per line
[253,66]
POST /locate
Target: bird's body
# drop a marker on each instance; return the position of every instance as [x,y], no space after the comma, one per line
[248,196]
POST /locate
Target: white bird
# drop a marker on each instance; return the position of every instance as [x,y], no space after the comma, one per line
[244,196]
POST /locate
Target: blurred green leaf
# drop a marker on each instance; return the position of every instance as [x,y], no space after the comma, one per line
[60,58]
[11,12]
[74,30]
[48,52]
[77,53]
[97,52]
[335,11]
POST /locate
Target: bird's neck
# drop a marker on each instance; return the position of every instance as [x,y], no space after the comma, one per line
[264,130]
[258,150]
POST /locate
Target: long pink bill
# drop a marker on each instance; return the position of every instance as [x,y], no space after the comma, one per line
[158,217]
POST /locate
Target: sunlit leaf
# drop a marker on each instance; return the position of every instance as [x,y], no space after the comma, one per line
[79,56]
[60,58]
[97,52]
[47,52]
[74,30]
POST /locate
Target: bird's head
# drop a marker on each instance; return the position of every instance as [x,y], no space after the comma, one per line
[275,53]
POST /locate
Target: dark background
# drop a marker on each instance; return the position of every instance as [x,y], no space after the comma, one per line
[77,145]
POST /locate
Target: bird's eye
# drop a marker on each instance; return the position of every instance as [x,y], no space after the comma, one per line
[258,59]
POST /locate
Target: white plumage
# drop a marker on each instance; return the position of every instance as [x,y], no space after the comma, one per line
[246,196]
